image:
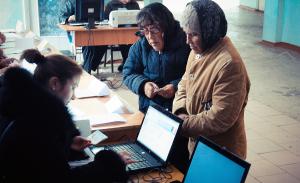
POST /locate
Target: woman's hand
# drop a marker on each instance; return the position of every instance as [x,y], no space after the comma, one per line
[150,89]
[126,157]
[79,143]
[167,91]
[182,116]
[5,62]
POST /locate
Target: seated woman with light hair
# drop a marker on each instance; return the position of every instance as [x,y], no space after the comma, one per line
[213,92]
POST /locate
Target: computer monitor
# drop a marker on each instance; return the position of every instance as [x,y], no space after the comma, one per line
[89,11]
[213,164]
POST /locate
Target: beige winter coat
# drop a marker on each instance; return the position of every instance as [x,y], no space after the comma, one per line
[214,92]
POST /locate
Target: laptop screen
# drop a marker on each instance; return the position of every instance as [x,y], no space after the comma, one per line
[210,166]
[158,132]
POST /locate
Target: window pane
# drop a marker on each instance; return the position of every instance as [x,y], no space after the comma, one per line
[49,17]
[10,12]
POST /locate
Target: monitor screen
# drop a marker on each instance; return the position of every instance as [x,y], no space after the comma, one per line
[89,8]
[158,132]
[210,166]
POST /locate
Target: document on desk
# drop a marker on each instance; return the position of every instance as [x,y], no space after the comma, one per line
[108,118]
[95,89]
[115,105]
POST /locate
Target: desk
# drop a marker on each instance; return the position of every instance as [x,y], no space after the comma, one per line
[93,106]
[102,35]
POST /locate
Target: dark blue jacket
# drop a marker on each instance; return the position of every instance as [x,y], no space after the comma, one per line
[145,64]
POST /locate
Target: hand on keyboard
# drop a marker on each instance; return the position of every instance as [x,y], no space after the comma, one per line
[126,157]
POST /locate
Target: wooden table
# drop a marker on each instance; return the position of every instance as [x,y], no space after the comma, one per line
[102,35]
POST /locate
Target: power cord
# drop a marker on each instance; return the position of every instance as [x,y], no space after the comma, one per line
[112,84]
[164,175]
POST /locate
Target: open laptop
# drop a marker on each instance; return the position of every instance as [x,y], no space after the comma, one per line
[213,164]
[154,142]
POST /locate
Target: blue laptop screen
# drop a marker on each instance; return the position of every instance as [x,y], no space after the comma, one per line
[209,166]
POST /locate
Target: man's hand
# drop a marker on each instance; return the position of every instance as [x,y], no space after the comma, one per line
[167,91]
[79,143]
[71,18]
[150,89]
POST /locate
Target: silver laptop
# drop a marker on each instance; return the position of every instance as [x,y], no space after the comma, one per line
[154,142]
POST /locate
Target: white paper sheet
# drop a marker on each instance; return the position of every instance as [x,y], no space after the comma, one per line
[115,105]
[95,88]
[97,137]
[109,118]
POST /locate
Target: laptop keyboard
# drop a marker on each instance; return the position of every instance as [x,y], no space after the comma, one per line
[140,163]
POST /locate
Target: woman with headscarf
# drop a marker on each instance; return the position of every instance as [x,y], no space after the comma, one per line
[213,92]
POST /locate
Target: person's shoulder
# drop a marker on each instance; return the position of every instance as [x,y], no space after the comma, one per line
[141,43]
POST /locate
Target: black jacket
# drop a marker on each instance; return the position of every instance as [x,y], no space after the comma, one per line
[67,8]
[116,4]
[36,145]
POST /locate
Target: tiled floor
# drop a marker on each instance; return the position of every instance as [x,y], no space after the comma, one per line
[272,116]
[273,145]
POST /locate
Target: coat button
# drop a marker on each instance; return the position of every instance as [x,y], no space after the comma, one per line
[191,76]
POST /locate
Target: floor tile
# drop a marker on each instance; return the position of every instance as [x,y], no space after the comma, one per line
[281,120]
[266,128]
[252,156]
[251,179]
[263,146]
[281,158]
[293,147]
[253,135]
[264,168]
[260,109]
[280,178]
[293,169]
[293,129]
[281,137]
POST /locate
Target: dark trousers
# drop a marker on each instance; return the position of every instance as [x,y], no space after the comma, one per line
[92,56]
[124,52]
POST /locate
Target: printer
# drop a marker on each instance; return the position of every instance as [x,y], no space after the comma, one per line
[123,18]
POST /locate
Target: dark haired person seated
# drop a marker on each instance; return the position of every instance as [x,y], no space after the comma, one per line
[36,140]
